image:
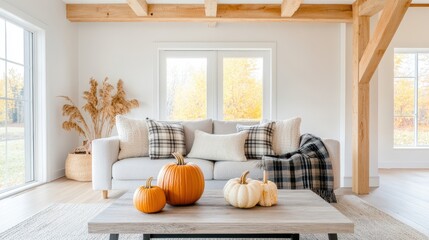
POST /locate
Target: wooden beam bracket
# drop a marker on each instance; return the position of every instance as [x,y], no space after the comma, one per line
[390,19]
[370,7]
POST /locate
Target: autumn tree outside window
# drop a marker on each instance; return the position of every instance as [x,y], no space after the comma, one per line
[411,98]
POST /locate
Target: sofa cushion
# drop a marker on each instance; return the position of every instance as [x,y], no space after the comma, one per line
[227,127]
[165,139]
[259,140]
[287,135]
[219,147]
[225,170]
[133,137]
[144,167]
[190,127]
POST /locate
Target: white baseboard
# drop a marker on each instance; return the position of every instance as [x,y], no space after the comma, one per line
[56,174]
[373,182]
[403,164]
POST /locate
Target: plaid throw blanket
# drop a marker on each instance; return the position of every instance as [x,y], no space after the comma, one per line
[307,168]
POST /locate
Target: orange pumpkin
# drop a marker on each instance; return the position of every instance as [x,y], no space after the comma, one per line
[183,183]
[149,199]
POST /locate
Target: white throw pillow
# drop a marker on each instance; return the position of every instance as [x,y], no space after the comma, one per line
[287,135]
[228,147]
[133,137]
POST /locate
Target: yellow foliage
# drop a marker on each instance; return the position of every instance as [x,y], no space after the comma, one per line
[242,93]
[190,101]
[15,91]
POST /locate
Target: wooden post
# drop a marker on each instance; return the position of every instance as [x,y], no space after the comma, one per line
[361,32]
[367,54]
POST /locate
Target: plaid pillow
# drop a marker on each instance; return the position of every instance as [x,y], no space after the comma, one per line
[165,139]
[259,140]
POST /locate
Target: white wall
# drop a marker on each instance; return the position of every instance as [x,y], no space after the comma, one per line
[61,73]
[308,62]
[412,33]
[307,70]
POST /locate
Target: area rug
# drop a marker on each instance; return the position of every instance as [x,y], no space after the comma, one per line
[69,222]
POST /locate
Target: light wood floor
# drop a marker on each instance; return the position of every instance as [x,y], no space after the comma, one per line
[404,194]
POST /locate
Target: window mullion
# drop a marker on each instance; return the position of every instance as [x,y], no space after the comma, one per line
[219,85]
[28,113]
[211,84]
[416,102]
[6,103]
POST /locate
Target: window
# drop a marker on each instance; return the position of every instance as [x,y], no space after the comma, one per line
[228,85]
[411,98]
[16,131]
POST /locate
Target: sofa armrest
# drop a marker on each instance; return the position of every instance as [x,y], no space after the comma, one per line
[333,147]
[105,152]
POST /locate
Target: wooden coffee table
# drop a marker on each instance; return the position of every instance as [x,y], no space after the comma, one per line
[298,211]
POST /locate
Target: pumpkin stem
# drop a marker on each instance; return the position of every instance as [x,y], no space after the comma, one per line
[265,180]
[180,159]
[243,177]
[149,182]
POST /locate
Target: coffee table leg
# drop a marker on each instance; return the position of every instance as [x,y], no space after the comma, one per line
[333,236]
[146,236]
[114,236]
[294,236]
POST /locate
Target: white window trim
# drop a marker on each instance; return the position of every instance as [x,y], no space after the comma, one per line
[33,25]
[184,54]
[416,96]
[270,95]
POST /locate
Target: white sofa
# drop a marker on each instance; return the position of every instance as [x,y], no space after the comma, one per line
[109,173]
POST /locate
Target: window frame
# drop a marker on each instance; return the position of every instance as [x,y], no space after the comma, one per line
[415,51]
[27,99]
[38,93]
[211,94]
[266,78]
[214,87]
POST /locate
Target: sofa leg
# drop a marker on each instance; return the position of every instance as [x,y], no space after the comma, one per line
[105,194]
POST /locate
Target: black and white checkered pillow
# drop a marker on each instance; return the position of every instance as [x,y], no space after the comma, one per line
[259,140]
[165,139]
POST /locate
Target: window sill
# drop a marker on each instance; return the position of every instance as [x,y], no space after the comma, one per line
[411,148]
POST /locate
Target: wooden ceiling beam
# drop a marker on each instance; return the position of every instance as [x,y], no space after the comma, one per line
[196,13]
[139,7]
[210,8]
[425,5]
[370,7]
[289,7]
[390,19]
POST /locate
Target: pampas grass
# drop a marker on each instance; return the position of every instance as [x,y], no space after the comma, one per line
[102,106]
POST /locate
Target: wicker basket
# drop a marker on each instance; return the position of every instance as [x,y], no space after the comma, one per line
[79,167]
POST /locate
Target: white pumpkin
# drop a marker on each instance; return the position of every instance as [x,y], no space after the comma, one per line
[242,192]
[269,192]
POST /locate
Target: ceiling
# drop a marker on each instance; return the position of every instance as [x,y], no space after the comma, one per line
[225,1]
